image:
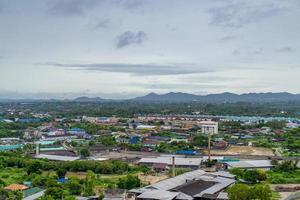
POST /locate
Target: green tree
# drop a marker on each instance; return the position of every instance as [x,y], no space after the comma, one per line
[129,182]
[261,192]
[61,172]
[74,187]
[239,192]
[101,196]
[55,192]
[89,184]
[34,167]
[3,194]
[15,195]
[84,152]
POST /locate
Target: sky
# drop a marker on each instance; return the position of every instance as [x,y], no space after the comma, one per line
[128,48]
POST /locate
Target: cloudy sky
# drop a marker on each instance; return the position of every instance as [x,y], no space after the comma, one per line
[124,48]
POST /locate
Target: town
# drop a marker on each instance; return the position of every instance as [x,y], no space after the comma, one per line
[149,100]
[145,156]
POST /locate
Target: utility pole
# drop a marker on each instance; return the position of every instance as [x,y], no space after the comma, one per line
[173,166]
[209,146]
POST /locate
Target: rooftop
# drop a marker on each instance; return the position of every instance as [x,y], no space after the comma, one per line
[15,187]
[168,160]
[56,157]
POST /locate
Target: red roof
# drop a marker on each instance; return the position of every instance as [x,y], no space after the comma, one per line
[14,187]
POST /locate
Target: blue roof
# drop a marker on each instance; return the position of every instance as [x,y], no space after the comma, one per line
[186,152]
[10,147]
[62,180]
[76,129]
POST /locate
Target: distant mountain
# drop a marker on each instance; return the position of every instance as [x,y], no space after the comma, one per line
[182,97]
[220,98]
[88,99]
[172,96]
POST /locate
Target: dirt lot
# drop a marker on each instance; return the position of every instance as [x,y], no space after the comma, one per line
[151,178]
[285,195]
[244,150]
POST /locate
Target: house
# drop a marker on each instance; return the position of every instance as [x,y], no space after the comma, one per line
[150,143]
[15,187]
[145,127]
[196,184]
[250,164]
[222,144]
[179,162]
[114,194]
[160,167]
[134,139]
[208,127]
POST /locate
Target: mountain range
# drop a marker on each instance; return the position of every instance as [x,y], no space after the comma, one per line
[222,97]
[186,97]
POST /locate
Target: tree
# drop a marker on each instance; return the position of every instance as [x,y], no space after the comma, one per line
[34,167]
[200,140]
[61,172]
[15,195]
[262,192]
[74,187]
[101,196]
[244,192]
[55,192]
[251,176]
[239,192]
[84,152]
[129,182]
[3,194]
[89,184]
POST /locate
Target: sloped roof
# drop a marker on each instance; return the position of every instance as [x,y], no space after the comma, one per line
[158,194]
[14,187]
[178,180]
[250,164]
[168,160]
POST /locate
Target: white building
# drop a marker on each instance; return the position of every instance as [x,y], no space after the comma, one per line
[208,127]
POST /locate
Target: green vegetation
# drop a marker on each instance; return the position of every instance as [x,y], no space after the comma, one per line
[252,176]
[244,192]
[285,172]
[10,159]
[129,182]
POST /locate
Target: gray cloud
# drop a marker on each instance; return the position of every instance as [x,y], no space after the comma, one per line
[128,38]
[249,52]
[134,69]
[103,23]
[285,50]
[178,86]
[239,13]
[71,7]
[133,4]
[228,38]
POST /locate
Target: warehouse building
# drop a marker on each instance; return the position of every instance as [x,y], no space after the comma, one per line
[197,184]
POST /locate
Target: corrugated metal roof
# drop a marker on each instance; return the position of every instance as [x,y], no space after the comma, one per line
[222,195]
[56,157]
[221,184]
[158,194]
[219,181]
[168,160]
[251,164]
[178,180]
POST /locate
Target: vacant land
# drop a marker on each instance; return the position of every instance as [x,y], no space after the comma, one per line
[244,150]
[151,179]
[286,195]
